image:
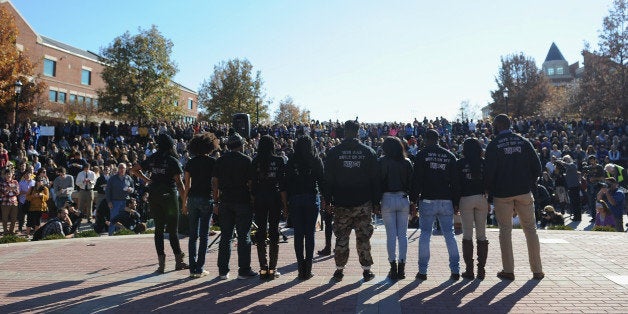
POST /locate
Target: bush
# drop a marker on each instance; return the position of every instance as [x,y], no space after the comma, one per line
[87,234]
[123,232]
[11,238]
[214,228]
[149,231]
[604,229]
[54,237]
[560,227]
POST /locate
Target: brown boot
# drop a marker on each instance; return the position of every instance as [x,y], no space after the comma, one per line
[467,255]
[162,264]
[180,265]
[482,254]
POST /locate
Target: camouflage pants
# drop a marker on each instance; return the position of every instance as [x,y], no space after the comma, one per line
[357,218]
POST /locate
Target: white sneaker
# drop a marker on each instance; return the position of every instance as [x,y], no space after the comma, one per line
[202,274]
[224,277]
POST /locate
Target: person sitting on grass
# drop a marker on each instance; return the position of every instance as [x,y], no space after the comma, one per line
[604,216]
[129,218]
[549,217]
[61,225]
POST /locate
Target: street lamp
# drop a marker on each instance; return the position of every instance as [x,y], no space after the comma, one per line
[506,98]
[18,90]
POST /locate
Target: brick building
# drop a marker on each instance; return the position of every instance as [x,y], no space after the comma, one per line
[72,76]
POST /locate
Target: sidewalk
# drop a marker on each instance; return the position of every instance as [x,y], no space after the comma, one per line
[586,272]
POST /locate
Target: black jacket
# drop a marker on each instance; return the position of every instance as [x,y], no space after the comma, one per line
[395,175]
[435,175]
[304,177]
[512,165]
[351,174]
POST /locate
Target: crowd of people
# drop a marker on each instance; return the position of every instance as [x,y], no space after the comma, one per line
[117,175]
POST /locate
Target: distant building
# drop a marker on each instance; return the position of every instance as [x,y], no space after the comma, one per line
[558,70]
[72,75]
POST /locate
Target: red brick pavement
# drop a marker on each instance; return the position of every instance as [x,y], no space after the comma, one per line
[115,274]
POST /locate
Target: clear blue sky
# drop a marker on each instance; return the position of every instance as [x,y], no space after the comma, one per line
[379,60]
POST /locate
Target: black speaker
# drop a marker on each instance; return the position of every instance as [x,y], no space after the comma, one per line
[242,124]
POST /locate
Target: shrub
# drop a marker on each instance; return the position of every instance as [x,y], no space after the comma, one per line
[560,227]
[11,238]
[122,232]
[149,231]
[214,228]
[604,229]
[87,234]
[54,237]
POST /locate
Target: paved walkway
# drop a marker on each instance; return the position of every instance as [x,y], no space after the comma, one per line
[585,272]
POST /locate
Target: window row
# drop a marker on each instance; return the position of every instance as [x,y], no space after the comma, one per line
[50,69]
[555,71]
[190,104]
[60,97]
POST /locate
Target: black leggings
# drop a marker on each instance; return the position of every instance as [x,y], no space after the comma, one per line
[267,212]
[165,211]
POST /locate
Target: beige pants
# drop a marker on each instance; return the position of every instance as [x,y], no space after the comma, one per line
[523,205]
[9,215]
[86,202]
[474,210]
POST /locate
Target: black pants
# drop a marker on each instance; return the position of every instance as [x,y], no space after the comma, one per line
[304,211]
[574,200]
[267,214]
[164,206]
[329,228]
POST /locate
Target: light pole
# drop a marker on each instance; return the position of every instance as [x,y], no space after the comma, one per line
[506,98]
[18,90]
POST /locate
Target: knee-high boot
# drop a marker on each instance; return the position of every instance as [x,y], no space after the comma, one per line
[162,264]
[482,254]
[467,255]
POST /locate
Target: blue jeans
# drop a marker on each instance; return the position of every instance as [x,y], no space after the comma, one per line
[199,215]
[118,206]
[237,217]
[395,211]
[60,201]
[444,211]
[304,212]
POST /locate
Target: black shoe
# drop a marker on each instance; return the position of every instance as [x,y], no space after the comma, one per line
[454,276]
[338,274]
[325,251]
[420,276]
[368,274]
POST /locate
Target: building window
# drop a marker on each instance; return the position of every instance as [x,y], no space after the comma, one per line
[550,71]
[559,71]
[52,96]
[86,77]
[190,104]
[176,103]
[81,99]
[88,101]
[72,98]
[50,68]
[61,97]
[95,102]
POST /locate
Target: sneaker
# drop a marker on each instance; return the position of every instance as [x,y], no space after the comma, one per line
[273,274]
[338,275]
[202,274]
[420,276]
[247,274]
[505,276]
[193,275]
[368,274]
[454,276]
[325,251]
[538,276]
[224,277]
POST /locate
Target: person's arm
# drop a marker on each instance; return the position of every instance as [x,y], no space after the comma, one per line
[137,171]
[187,183]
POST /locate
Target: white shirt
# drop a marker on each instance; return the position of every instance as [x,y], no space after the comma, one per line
[86,180]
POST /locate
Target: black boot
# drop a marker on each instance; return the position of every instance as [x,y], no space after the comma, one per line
[467,255]
[392,274]
[307,274]
[180,264]
[301,269]
[482,254]
[273,254]
[325,251]
[162,264]
[401,270]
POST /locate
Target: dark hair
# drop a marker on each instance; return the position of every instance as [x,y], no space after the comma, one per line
[502,122]
[305,153]
[202,144]
[472,151]
[351,129]
[265,150]
[393,148]
[165,145]
[431,135]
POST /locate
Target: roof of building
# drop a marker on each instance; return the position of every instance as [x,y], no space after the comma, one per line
[554,54]
[74,50]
